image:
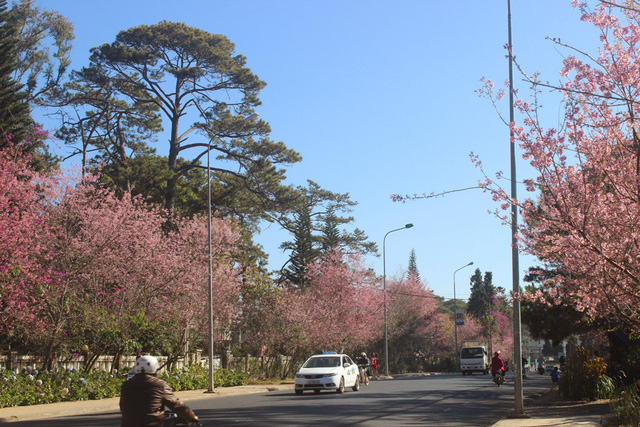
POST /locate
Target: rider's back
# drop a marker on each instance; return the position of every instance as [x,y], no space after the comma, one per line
[142,399]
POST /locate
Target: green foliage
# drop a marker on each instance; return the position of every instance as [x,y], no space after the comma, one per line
[226,378]
[485,300]
[157,74]
[303,250]
[197,377]
[15,113]
[188,378]
[550,322]
[585,377]
[330,233]
[625,352]
[31,387]
[625,405]
[316,228]
[412,269]
[43,49]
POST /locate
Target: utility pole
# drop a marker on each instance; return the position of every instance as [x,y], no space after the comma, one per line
[515,264]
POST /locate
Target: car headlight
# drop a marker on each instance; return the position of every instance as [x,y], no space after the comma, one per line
[299,376]
[333,374]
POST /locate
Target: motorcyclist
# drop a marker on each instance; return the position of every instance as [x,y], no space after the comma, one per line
[541,365]
[497,365]
[363,363]
[143,397]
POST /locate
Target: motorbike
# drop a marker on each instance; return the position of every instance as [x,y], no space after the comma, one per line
[541,369]
[364,376]
[171,419]
[498,377]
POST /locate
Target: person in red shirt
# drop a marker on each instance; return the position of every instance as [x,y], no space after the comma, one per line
[374,365]
[497,365]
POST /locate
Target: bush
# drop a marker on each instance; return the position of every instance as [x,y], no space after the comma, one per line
[197,377]
[31,387]
[585,377]
[226,378]
[188,378]
[625,405]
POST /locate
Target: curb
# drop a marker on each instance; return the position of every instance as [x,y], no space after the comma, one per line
[66,409]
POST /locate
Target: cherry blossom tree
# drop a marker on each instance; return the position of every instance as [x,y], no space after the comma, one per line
[417,331]
[340,310]
[471,330]
[24,232]
[118,265]
[345,296]
[83,268]
[584,214]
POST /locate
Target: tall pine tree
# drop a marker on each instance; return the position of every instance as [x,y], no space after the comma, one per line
[303,249]
[485,299]
[330,237]
[412,269]
[15,114]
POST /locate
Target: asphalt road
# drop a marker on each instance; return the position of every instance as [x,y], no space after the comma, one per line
[440,400]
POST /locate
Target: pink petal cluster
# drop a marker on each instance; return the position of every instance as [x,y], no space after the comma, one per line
[584,219]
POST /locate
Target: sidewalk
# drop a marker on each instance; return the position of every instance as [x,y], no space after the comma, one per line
[63,409]
[548,410]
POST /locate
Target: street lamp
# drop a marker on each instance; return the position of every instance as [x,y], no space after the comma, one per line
[455,320]
[384,288]
[252,118]
[515,263]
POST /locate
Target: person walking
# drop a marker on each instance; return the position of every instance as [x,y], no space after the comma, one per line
[374,365]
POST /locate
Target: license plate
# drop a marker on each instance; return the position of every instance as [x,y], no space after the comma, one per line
[313,382]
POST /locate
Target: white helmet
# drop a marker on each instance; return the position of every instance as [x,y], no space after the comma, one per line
[146,365]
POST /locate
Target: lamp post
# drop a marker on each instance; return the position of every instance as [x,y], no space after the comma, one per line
[515,263]
[252,118]
[455,321]
[384,289]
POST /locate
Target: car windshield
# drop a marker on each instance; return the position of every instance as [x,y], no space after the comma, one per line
[322,362]
[471,352]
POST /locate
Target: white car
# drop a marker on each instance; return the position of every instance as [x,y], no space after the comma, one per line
[327,371]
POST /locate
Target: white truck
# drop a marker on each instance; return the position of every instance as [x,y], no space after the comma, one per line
[474,357]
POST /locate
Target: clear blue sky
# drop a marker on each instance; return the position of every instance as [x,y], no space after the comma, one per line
[379,98]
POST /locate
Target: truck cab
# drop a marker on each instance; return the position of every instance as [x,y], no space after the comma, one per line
[474,357]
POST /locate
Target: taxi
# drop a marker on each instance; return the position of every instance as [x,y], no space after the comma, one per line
[327,371]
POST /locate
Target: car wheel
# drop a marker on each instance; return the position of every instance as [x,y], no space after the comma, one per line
[340,388]
[298,392]
[356,385]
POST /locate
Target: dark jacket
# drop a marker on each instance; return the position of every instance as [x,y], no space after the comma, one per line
[363,361]
[142,401]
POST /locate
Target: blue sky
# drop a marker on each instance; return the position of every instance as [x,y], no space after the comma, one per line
[379,98]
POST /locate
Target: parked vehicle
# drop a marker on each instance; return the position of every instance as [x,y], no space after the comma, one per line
[474,357]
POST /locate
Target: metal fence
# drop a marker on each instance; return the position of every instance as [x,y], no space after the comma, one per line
[266,367]
[17,362]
